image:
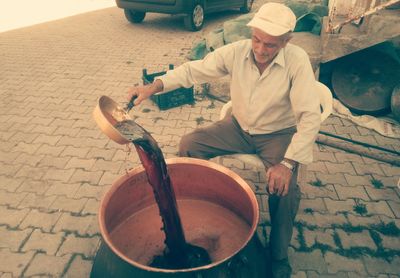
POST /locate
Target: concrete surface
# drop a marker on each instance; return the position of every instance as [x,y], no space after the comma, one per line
[55,164]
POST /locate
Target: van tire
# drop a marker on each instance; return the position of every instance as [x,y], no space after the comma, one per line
[194,21]
[134,16]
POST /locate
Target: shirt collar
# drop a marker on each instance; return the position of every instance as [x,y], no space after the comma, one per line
[279,59]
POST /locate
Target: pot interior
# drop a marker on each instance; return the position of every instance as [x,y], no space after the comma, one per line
[218,210]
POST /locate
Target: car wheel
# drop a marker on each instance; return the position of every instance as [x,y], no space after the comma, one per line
[195,20]
[246,6]
[134,16]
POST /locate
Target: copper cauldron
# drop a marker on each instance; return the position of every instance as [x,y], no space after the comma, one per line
[219,213]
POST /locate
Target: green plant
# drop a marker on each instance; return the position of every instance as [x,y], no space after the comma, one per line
[309,211]
[376,183]
[389,229]
[200,120]
[317,183]
[360,208]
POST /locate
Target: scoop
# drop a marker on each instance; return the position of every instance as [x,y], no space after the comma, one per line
[108,113]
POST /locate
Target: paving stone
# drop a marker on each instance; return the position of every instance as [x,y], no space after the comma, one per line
[357,220]
[11,199]
[324,237]
[13,262]
[13,239]
[395,207]
[314,274]
[376,266]
[63,203]
[390,242]
[368,169]
[59,174]
[109,166]
[108,179]
[65,189]
[71,151]
[390,170]
[325,156]
[47,139]
[36,201]
[354,180]
[336,263]
[10,184]
[349,157]
[86,246]
[92,177]
[31,160]
[44,242]
[379,208]
[90,191]
[312,192]
[361,239]
[341,167]
[82,225]
[79,267]
[80,163]
[45,265]
[34,186]
[321,220]
[318,166]
[52,161]
[336,178]
[303,261]
[43,220]
[335,206]
[24,147]
[355,192]
[91,207]
[12,217]
[382,194]
[316,204]
[50,150]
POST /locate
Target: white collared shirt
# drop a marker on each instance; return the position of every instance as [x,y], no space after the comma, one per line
[285,95]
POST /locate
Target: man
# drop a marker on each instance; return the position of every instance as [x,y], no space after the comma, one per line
[275,113]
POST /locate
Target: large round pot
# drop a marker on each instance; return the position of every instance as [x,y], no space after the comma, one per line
[219,213]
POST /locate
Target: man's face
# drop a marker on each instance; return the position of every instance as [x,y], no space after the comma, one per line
[266,47]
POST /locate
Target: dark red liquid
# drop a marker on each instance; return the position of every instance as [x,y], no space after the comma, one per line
[178,253]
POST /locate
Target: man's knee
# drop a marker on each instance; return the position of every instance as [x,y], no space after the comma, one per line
[186,145]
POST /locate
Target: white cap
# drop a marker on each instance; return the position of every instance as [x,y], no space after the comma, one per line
[274,19]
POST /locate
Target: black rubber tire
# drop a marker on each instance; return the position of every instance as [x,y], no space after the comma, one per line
[247,5]
[134,16]
[195,20]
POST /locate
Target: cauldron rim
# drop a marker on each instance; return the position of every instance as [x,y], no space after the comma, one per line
[178,160]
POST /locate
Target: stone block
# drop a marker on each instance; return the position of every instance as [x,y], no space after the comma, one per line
[382,194]
[12,199]
[13,262]
[43,220]
[33,201]
[83,225]
[336,263]
[63,203]
[12,217]
[324,237]
[79,267]
[303,261]
[92,177]
[316,204]
[13,239]
[335,206]
[355,192]
[44,242]
[86,246]
[379,266]
[45,265]
[360,239]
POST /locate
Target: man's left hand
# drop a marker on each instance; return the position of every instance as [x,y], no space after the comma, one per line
[278,178]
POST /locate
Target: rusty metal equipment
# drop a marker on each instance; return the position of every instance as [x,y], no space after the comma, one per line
[364,81]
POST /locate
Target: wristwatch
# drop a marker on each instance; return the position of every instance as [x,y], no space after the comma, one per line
[288,165]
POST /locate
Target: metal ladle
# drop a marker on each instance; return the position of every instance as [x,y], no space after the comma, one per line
[108,113]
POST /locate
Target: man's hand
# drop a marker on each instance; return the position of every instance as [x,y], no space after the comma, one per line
[144,92]
[278,178]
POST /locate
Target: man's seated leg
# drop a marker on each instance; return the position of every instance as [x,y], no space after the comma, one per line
[220,138]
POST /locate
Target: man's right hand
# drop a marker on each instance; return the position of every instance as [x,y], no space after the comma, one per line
[145,91]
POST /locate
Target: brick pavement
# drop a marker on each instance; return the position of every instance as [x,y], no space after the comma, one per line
[55,164]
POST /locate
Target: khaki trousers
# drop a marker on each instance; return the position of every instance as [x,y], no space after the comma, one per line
[226,137]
